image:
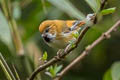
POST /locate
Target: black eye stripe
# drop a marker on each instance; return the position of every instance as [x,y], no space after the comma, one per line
[47,30]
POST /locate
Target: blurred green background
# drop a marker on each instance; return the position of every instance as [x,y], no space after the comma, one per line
[103,62]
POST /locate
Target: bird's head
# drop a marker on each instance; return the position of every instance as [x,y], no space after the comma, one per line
[50,29]
[47,31]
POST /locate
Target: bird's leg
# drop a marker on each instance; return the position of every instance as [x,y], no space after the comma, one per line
[87,22]
[91,17]
[59,54]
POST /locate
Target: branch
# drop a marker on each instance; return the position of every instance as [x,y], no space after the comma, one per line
[102,4]
[105,35]
[61,55]
[66,51]
[65,70]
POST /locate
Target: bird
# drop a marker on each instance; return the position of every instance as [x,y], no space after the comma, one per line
[59,33]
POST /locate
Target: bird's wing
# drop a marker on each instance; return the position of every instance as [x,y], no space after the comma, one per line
[74,24]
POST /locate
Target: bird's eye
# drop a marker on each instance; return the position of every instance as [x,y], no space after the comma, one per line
[47,30]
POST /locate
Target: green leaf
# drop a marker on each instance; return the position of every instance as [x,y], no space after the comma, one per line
[76,35]
[72,44]
[5,71]
[115,71]
[52,71]
[5,31]
[16,73]
[107,75]
[67,7]
[108,11]
[58,68]
[6,68]
[44,57]
[94,4]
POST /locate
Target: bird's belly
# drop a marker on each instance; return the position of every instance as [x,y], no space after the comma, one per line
[60,44]
[62,41]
